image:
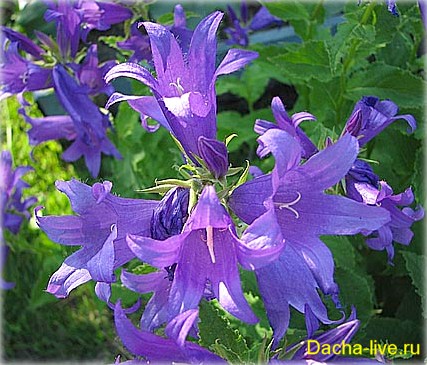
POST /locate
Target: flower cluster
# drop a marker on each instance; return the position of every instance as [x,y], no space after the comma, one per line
[219,219]
[192,237]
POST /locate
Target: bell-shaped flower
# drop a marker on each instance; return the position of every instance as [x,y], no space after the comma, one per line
[371,116]
[138,43]
[156,349]
[24,43]
[241,27]
[399,228]
[18,74]
[184,99]
[303,212]
[13,207]
[101,226]
[288,124]
[206,254]
[90,124]
[90,74]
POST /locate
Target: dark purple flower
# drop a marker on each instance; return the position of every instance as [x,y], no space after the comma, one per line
[75,19]
[101,225]
[361,179]
[138,43]
[13,208]
[24,43]
[179,28]
[184,90]
[18,74]
[214,154]
[155,349]
[371,116]
[49,128]
[171,214]
[4,251]
[90,124]
[338,336]
[304,212]
[288,124]
[391,7]
[90,74]
[240,29]
[206,255]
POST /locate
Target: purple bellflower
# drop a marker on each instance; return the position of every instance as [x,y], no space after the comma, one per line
[288,124]
[13,208]
[18,74]
[90,124]
[371,116]
[24,43]
[295,193]
[214,154]
[239,31]
[206,254]
[184,90]
[101,226]
[156,349]
[90,74]
[76,18]
[398,229]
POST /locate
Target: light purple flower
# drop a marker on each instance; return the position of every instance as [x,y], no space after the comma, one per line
[184,101]
[371,116]
[101,225]
[206,254]
[156,349]
[90,124]
[304,212]
[288,124]
[138,43]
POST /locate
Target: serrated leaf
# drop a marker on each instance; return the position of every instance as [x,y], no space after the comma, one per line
[387,82]
[215,333]
[311,60]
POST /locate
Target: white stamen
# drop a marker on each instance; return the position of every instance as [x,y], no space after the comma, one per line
[178,86]
[210,242]
[290,204]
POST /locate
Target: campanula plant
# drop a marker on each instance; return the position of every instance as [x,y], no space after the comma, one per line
[259,234]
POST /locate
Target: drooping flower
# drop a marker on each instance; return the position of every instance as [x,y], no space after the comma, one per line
[371,116]
[206,254]
[101,226]
[288,124]
[90,124]
[240,29]
[184,99]
[304,212]
[156,349]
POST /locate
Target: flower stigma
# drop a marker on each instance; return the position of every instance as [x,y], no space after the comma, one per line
[290,204]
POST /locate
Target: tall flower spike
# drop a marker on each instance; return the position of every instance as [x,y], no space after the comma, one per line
[101,225]
[295,193]
[184,92]
[207,251]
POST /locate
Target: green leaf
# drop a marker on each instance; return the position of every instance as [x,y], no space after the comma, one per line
[342,250]
[289,10]
[310,60]
[415,265]
[387,82]
[215,333]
